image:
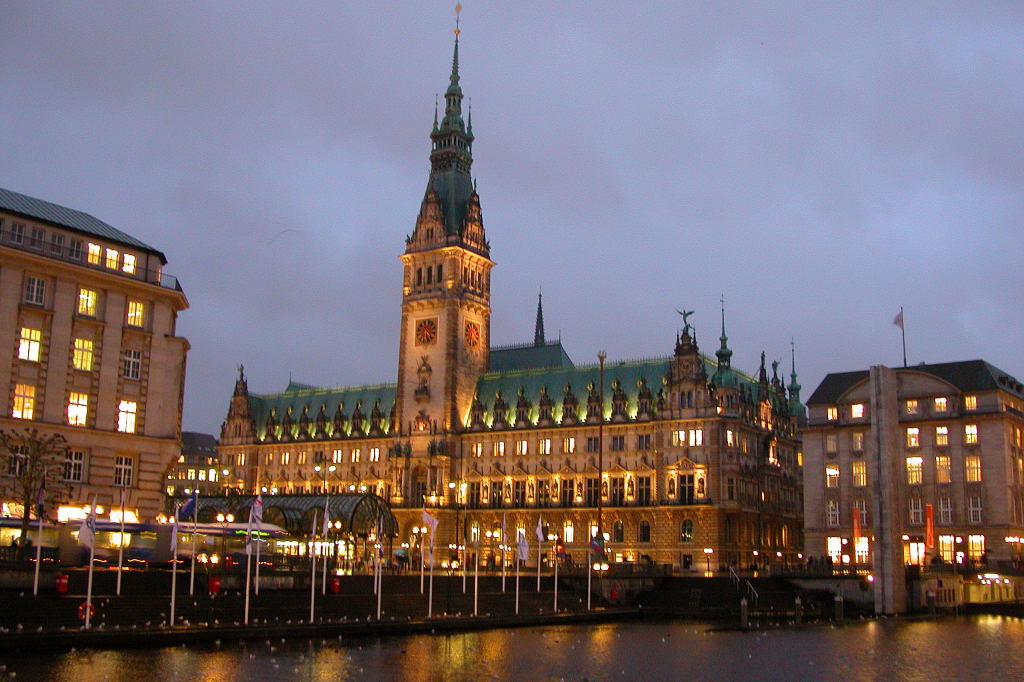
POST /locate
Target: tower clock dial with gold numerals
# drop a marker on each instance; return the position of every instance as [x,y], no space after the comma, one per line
[472,335]
[426,332]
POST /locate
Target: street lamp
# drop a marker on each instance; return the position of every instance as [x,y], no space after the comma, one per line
[707,555]
[224,520]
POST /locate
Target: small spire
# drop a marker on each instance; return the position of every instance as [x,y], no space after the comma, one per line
[435,112]
[724,354]
[455,55]
[469,120]
[538,330]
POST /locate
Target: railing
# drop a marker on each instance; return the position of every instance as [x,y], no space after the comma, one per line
[80,258]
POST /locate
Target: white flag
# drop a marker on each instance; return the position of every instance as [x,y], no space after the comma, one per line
[523,548]
[174,537]
[898,320]
[255,522]
[540,531]
[327,521]
[430,521]
[87,532]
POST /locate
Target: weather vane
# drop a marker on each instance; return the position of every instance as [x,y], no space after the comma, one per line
[458,11]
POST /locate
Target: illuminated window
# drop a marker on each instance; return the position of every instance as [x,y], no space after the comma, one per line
[356,454]
[136,313]
[202,474]
[190,475]
[126,412]
[861,508]
[521,447]
[337,456]
[861,549]
[112,259]
[857,441]
[124,470]
[975,547]
[81,358]
[286,458]
[831,475]
[971,434]
[916,511]
[974,509]
[730,437]
[970,402]
[942,469]
[131,365]
[74,465]
[87,302]
[913,437]
[544,446]
[568,532]
[28,344]
[832,414]
[972,464]
[374,454]
[240,459]
[696,437]
[24,401]
[945,510]
[686,531]
[910,407]
[946,548]
[35,290]
[78,409]
[834,547]
[941,404]
[300,458]
[914,470]
[831,443]
[128,264]
[498,449]
[477,449]
[94,252]
[832,514]
[857,411]
[860,473]
[569,445]
[942,435]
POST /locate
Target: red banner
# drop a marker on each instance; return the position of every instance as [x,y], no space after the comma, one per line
[929,527]
[856,524]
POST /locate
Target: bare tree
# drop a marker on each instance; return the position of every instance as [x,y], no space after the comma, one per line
[32,459]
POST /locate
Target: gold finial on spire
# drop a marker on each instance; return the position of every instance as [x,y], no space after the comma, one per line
[458,11]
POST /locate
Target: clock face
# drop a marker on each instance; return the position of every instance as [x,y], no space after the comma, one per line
[426,331]
[472,335]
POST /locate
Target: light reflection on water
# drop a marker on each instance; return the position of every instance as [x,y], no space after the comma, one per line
[972,648]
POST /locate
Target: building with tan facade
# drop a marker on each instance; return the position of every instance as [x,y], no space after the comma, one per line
[88,318]
[682,458]
[915,465]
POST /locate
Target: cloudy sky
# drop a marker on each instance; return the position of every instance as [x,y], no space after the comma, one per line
[819,164]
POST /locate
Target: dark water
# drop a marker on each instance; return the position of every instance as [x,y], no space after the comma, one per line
[965,649]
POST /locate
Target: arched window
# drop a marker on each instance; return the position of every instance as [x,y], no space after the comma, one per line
[617,532]
[644,534]
[686,531]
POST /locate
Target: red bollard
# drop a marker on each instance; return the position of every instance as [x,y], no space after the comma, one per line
[335,585]
[62,583]
[214,586]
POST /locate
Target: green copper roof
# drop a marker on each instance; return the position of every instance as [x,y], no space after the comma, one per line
[30,207]
[529,356]
[304,398]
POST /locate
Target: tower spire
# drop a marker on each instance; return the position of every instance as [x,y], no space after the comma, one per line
[538,330]
[795,406]
[724,354]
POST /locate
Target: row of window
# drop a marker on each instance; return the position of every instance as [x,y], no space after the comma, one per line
[96,254]
[692,437]
[913,438]
[75,466]
[915,514]
[914,470]
[355,456]
[30,349]
[24,407]
[913,406]
[914,551]
[87,303]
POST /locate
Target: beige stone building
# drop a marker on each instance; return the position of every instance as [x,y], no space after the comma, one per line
[693,462]
[88,318]
[927,460]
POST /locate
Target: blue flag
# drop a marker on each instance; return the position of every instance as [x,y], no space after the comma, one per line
[190,507]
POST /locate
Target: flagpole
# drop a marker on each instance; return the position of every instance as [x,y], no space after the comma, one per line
[120,547]
[380,584]
[312,568]
[430,596]
[540,549]
[256,587]
[504,541]
[192,570]
[92,555]
[476,579]
[556,583]
[39,552]
[517,585]
[421,563]
[174,563]
[903,334]
[248,574]
[590,571]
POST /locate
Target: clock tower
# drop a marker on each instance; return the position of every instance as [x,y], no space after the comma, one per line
[446,283]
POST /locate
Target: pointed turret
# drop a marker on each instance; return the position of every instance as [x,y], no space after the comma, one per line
[538,330]
[796,408]
[724,377]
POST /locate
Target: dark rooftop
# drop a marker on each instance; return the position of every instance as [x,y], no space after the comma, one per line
[967,375]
